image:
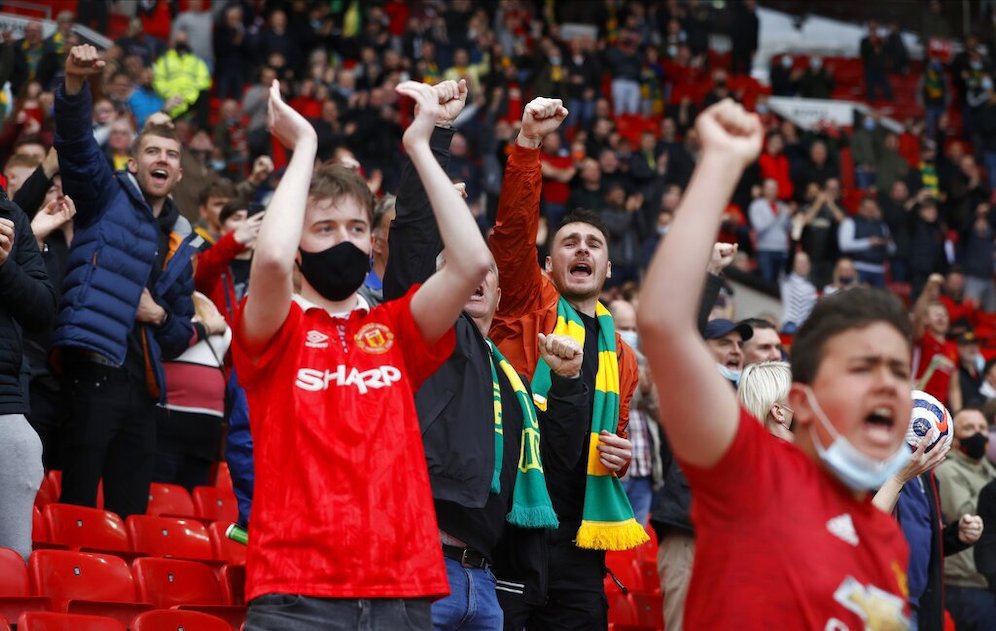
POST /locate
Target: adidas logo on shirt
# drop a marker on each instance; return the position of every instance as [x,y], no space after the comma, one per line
[842,527]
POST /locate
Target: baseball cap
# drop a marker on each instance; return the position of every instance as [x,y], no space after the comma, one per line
[721,327]
[966,337]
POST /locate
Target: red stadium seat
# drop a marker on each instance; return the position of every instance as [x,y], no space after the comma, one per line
[15,588]
[39,531]
[649,609]
[84,527]
[67,622]
[170,536]
[224,548]
[233,583]
[4,626]
[223,476]
[83,582]
[627,573]
[47,492]
[175,620]
[54,479]
[169,582]
[215,503]
[170,499]
[621,610]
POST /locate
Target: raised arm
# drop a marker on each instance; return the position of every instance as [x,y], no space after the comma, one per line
[513,241]
[678,357]
[437,303]
[280,231]
[930,293]
[86,176]
[414,239]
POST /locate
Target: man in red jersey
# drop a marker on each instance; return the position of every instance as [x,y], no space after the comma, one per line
[343,533]
[935,358]
[786,532]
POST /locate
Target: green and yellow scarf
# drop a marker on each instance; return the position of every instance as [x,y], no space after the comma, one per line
[531,505]
[607,521]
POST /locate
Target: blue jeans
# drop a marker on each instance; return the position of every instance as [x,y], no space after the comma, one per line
[771,264]
[294,612]
[472,603]
[874,279]
[973,608]
[640,492]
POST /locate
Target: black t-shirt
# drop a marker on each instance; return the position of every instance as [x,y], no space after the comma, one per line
[567,487]
[481,528]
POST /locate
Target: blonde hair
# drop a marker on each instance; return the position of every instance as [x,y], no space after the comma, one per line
[762,385]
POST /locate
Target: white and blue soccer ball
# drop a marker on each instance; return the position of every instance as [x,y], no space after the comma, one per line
[929,418]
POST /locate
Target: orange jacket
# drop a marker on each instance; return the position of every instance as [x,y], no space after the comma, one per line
[529,299]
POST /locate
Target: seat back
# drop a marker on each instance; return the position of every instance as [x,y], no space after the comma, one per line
[84,527]
[170,499]
[48,621]
[65,575]
[13,574]
[215,503]
[177,620]
[169,582]
[224,548]
[170,536]
[233,582]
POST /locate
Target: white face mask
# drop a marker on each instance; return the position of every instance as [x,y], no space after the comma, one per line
[729,374]
[632,339]
[853,468]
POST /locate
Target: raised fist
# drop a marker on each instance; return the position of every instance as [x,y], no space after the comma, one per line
[541,117]
[452,97]
[562,354]
[83,61]
[727,129]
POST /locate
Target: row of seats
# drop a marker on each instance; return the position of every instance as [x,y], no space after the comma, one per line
[66,581]
[207,503]
[84,528]
[634,588]
[156,620]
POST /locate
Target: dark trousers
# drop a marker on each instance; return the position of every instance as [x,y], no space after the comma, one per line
[973,608]
[293,612]
[112,434]
[49,417]
[575,599]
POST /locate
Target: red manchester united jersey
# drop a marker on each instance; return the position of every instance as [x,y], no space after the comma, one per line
[780,544]
[342,506]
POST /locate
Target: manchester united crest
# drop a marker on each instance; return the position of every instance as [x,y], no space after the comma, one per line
[374,338]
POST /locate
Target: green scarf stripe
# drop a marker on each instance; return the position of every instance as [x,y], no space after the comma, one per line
[531,504]
[607,521]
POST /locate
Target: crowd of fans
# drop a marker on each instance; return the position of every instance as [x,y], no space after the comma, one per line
[821,210]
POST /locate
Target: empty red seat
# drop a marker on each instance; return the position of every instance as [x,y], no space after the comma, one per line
[224,548]
[185,585]
[169,582]
[47,492]
[170,499]
[67,622]
[223,477]
[170,536]
[54,480]
[215,503]
[176,620]
[84,527]
[15,588]
[621,610]
[39,531]
[84,582]
[649,609]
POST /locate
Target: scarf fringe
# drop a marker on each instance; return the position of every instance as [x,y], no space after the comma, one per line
[533,517]
[608,535]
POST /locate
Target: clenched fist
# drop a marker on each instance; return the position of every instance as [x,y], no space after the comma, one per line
[562,354]
[727,129]
[540,117]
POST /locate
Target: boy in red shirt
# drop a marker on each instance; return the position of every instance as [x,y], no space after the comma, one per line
[785,532]
[343,531]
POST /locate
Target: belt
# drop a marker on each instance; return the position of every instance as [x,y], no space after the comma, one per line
[468,557]
[78,354]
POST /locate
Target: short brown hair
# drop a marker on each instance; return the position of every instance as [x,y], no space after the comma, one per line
[844,311]
[583,215]
[162,131]
[219,188]
[332,182]
[21,160]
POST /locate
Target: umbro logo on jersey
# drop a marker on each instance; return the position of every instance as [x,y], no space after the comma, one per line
[314,380]
[842,527]
[316,339]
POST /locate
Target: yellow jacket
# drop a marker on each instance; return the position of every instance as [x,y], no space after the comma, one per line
[183,75]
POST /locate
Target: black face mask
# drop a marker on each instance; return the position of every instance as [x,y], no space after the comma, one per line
[975,445]
[337,272]
[183,49]
[847,280]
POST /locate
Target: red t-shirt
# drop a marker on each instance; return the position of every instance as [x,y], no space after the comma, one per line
[556,192]
[780,544]
[342,506]
[941,358]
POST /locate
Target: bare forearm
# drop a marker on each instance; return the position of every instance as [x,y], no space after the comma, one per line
[280,231]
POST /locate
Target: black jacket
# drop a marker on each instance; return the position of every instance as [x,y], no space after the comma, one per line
[930,615]
[985,547]
[27,301]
